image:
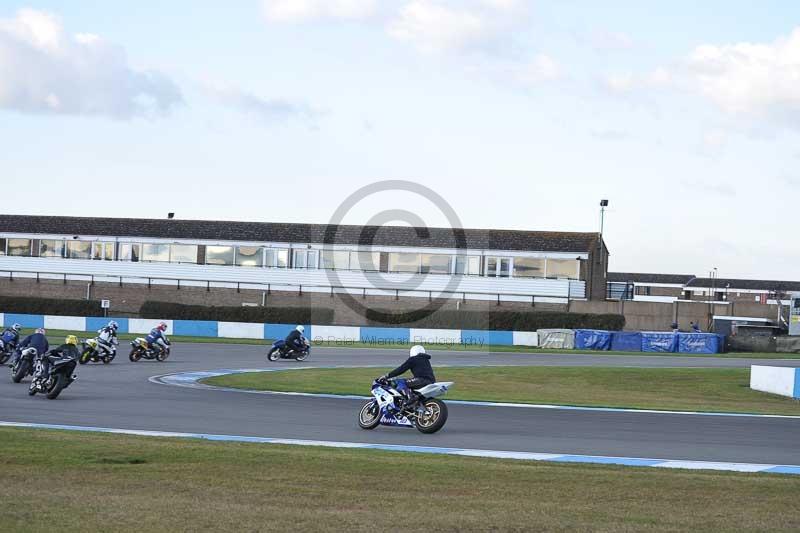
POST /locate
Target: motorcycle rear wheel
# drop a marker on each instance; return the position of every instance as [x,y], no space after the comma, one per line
[85,356]
[58,386]
[434,417]
[274,354]
[369,416]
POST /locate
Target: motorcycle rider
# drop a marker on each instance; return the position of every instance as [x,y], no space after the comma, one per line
[107,337]
[37,340]
[156,339]
[10,337]
[294,340]
[419,363]
[68,349]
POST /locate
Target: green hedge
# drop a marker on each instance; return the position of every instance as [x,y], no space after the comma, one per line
[495,320]
[274,315]
[49,306]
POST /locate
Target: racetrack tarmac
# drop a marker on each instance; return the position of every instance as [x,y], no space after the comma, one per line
[119,395]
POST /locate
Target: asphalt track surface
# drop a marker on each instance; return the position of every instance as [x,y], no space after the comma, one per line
[120,395]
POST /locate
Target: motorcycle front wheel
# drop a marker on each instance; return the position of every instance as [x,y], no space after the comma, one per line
[85,356]
[135,355]
[162,355]
[274,354]
[20,371]
[370,415]
[302,356]
[58,385]
[434,417]
[4,356]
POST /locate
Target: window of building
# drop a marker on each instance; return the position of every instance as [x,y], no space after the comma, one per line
[155,253]
[79,249]
[403,262]
[2,247]
[562,268]
[642,291]
[528,267]
[19,247]
[304,259]
[129,252]
[183,253]
[103,251]
[277,258]
[498,267]
[250,256]
[336,259]
[436,264]
[366,261]
[219,255]
[51,248]
[469,265]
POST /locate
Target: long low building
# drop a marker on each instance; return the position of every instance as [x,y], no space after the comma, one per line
[441,262]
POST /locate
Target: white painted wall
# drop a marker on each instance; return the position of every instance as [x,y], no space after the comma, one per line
[526,338]
[774,379]
[144,325]
[240,330]
[70,323]
[335,333]
[435,336]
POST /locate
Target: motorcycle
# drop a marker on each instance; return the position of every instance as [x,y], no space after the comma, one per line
[24,364]
[6,351]
[140,350]
[390,407]
[93,350]
[279,350]
[59,378]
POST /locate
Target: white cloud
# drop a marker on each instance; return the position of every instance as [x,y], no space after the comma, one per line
[432,27]
[268,111]
[45,70]
[603,40]
[302,10]
[541,69]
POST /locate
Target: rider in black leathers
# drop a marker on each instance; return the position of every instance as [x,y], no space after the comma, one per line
[294,340]
[419,363]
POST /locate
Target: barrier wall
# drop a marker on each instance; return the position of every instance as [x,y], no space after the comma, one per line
[776,380]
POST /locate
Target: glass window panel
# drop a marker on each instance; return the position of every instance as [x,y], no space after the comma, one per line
[505,265]
[367,261]
[562,268]
[491,266]
[403,262]
[219,255]
[528,267]
[311,259]
[436,264]
[79,249]
[498,266]
[299,259]
[468,265]
[251,256]
[103,250]
[183,253]
[20,247]
[155,252]
[335,259]
[2,247]
[51,248]
[278,258]
[129,252]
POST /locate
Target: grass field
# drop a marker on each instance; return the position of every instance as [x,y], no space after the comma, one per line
[55,337]
[688,389]
[64,481]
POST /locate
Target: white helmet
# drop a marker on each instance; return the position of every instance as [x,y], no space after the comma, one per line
[416,350]
[301,329]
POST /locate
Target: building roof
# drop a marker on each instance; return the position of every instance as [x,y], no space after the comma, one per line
[549,241]
[747,284]
[639,277]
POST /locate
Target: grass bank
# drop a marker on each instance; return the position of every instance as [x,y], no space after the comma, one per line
[94,482]
[687,389]
[55,336]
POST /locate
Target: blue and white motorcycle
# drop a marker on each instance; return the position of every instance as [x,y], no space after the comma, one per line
[390,407]
[279,350]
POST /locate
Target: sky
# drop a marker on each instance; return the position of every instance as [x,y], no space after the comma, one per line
[519,114]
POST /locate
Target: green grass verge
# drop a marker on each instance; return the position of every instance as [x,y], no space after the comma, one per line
[55,335]
[687,389]
[63,481]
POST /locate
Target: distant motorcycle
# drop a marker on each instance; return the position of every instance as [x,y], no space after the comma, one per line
[24,364]
[389,407]
[60,377]
[95,351]
[140,350]
[6,351]
[279,350]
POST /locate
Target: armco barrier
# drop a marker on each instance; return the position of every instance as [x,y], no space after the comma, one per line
[776,380]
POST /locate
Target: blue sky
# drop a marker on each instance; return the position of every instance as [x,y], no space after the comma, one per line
[521,114]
